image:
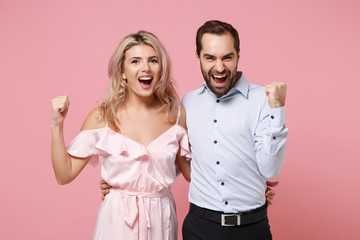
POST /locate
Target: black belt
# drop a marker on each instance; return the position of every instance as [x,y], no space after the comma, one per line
[230,219]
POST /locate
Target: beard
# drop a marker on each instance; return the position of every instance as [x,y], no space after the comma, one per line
[220,91]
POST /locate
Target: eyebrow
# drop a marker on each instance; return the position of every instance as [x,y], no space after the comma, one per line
[227,55]
[151,57]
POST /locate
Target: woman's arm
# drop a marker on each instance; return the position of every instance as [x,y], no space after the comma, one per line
[66,167]
[181,161]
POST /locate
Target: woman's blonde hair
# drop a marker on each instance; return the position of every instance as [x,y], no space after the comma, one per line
[164,89]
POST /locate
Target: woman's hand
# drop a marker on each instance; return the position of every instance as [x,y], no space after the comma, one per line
[60,107]
[269,192]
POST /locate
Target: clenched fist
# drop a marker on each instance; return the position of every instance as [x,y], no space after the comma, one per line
[60,107]
[276,92]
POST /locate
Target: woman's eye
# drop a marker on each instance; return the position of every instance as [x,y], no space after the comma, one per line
[134,61]
[154,60]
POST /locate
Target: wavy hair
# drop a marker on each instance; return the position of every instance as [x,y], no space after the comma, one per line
[164,90]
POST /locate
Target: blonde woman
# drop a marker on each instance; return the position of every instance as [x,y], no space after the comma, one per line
[139,135]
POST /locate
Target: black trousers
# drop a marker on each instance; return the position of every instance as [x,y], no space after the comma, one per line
[197,228]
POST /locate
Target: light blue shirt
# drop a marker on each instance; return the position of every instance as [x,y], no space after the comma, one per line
[237,142]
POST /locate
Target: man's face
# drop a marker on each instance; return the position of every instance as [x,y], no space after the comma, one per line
[218,60]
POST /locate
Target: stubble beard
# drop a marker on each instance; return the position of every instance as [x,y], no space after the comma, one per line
[219,92]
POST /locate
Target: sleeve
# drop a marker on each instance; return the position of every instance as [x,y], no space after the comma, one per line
[83,146]
[270,140]
[184,145]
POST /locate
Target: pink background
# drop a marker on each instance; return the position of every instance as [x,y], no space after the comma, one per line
[50,48]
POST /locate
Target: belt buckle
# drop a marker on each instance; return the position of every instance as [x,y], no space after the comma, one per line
[238,220]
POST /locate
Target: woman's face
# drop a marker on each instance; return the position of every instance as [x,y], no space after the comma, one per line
[141,70]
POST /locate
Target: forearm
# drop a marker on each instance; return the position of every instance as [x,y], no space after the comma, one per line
[272,155]
[271,144]
[184,167]
[186,171]
[61,160]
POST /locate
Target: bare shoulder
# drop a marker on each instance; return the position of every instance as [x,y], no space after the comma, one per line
[182,120]
[94,120]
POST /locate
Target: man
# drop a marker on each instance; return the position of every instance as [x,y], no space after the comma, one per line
[237,135]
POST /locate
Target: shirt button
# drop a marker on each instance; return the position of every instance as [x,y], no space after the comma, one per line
[215,121]
[217,163]
[274,137]
[215,142]
[226,203]
[217,101]
[272,117]
[222,183]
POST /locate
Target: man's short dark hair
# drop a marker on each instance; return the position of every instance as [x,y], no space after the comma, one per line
[219,28]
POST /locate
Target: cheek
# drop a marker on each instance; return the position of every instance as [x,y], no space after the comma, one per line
[206,68]
[232,67]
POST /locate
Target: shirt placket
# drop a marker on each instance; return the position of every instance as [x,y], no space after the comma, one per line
[218,161]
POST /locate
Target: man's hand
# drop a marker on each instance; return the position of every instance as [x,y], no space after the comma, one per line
[105,188]
[276,92]
[269,192]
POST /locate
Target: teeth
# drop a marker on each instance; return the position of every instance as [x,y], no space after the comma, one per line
[145,78]
[218,76]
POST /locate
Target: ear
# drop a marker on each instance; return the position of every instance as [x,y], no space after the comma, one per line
[123,76]
[197,57]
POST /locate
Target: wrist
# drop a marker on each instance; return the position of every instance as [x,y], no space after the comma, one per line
[56,125]
[276,104]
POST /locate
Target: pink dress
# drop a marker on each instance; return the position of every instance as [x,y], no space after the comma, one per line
[140,204]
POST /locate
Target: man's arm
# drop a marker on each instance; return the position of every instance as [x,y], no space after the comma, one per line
[271,132]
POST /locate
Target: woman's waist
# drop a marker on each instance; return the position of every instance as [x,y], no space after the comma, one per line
[143,194]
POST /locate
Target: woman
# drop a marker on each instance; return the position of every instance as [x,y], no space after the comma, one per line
[138,133]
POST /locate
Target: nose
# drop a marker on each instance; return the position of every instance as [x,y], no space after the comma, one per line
[146,66]
[219,66]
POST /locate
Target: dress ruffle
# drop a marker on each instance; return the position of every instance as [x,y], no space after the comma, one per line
[184,145]
[101,141]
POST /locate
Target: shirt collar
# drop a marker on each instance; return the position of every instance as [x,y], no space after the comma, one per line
[242,86]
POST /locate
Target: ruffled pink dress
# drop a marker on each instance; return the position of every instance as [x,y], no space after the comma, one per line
[140,204]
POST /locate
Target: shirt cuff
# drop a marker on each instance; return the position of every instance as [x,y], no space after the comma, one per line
[277,117]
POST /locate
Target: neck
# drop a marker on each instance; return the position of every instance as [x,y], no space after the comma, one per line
[142,103]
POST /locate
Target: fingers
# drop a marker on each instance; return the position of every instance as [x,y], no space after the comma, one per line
[105,191]
[60,106]
[276,92]
[269,196]
[272,183]
[104,185]
[270,193]
[60,103]
[105,188]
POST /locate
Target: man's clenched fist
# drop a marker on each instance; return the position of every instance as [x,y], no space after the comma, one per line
[276,92]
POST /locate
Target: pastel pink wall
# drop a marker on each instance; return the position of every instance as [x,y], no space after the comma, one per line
[48,48]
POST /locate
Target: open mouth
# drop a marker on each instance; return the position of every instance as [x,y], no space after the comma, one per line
[219,80]
[145,82]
